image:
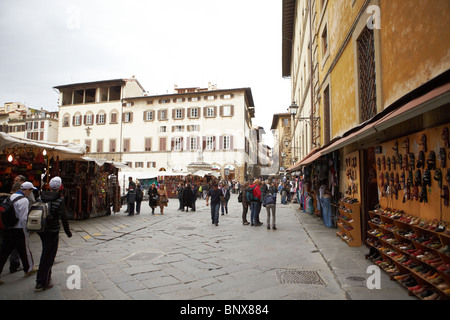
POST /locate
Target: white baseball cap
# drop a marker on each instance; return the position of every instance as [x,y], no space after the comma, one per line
[55,183]
[27,185]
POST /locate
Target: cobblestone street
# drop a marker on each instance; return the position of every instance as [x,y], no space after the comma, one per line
[182,256]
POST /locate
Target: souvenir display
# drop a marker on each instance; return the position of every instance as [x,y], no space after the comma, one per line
[409,235]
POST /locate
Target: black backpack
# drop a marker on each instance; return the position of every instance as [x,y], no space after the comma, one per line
[8,217]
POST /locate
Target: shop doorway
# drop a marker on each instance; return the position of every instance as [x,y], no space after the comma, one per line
[369,187]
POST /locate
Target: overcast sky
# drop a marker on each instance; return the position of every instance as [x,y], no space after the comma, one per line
[232,43]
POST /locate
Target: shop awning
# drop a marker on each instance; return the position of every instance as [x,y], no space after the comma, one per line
[101,162]
[63,150]
[312,156]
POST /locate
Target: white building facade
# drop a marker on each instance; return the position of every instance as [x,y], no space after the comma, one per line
[118,121]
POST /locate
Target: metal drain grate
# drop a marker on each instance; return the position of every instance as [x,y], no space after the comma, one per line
[298,276]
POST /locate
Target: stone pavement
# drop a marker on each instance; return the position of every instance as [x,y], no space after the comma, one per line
[182,256]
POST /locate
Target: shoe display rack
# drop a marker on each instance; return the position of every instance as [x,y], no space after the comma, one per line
[349,222]
[414,252]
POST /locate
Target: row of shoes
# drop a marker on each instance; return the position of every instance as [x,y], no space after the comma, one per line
[344,236]
[346,227]
[445,250]
[349,200]
[424,292]
[347,210]
[430,225]
[343,217]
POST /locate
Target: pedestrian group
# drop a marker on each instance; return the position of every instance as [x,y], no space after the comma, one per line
[15,240]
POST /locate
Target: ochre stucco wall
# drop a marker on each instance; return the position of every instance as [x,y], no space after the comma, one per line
[415,38]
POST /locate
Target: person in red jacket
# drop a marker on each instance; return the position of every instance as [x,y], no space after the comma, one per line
[255,203]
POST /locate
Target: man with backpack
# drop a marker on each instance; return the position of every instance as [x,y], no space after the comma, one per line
[50,235]
[254,197]
[16,236]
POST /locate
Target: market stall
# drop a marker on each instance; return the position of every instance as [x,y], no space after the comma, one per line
[90,185]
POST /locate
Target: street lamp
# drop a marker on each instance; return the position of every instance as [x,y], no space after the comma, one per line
[293,109]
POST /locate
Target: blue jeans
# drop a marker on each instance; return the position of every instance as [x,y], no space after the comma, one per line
[255,208]
[325,204]
[215,212]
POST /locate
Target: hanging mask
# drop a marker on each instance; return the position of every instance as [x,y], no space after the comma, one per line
[423,142]
[444,136]
[431,161]
[443,157]
[421,160]
[438,177]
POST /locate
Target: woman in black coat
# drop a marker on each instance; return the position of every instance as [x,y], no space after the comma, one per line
[153,197]
[188,198]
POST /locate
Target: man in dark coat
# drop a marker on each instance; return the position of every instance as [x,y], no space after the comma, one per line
[188,197]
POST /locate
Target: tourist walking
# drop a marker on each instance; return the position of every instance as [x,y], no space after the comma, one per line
[216,196]
[187,197]
[17,237]
[163,198]
[179,191]
[226,197]
[153,197]
[245,203]
[270,202]
[254,197]
[50,235]
[139,197]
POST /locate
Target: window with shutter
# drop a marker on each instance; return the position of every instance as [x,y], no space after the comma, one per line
[148,144]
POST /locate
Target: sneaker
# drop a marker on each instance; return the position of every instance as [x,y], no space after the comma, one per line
[33,271]
[39,288]
[246,223]
[274,228]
